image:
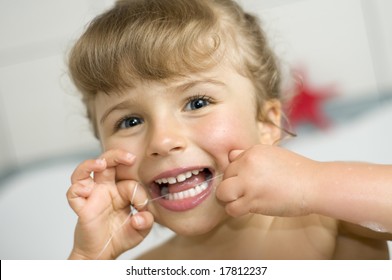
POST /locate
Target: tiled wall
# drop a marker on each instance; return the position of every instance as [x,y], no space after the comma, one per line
[41,116]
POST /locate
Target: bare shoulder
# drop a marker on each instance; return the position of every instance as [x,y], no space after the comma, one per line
[305,237]
[355,242]
[335,239]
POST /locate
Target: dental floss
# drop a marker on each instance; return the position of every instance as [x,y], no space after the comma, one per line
[206,181]
[133,211]
[134,192]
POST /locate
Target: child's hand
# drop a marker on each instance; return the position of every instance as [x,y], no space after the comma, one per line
[267,180]
[103,205]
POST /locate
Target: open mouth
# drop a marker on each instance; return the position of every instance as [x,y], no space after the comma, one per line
[188,184]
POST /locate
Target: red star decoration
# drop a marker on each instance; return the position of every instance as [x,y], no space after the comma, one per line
[306,105]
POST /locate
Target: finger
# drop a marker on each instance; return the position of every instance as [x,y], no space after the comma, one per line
[79,190]
[237,208]
[138,227]
[83,171]
[132,192]
[113,158]
[231,170]
[234,154]
[77,195]
[235,164]
[117,156]
[142,222]
[107,175]
[229,190]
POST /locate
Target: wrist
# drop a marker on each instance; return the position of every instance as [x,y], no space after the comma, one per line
[75,255]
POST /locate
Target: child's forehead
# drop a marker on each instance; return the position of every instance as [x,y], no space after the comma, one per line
[214,76]
[218,76]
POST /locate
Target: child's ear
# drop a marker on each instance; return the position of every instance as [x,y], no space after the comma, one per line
[269,122]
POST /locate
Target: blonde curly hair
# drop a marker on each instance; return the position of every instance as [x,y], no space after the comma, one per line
[163,39]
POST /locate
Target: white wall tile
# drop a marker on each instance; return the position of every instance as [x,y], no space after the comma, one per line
[41,120]
[29,22]
[329,38]
[7,151]
[379,30]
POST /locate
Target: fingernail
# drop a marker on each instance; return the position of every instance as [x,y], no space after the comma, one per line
[138,220]
[100,161]
[130,156]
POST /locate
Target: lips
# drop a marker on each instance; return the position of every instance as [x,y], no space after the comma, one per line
[184,189]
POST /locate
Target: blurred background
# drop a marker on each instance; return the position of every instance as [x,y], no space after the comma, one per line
[341,49]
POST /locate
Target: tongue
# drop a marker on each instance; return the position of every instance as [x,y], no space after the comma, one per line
[188,183]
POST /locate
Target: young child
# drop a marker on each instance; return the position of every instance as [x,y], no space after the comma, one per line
[184,96]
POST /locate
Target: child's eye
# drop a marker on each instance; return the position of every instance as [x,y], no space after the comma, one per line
[197,102]
[128,122]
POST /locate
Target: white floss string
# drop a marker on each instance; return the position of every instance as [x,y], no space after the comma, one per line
[131,213]
[134,211]
[206,181]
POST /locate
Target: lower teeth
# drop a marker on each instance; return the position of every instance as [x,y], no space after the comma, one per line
[184,194]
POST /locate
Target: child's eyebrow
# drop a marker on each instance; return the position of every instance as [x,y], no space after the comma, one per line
[190,84]
[122,105]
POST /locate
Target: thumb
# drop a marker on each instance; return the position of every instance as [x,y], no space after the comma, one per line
[234,154]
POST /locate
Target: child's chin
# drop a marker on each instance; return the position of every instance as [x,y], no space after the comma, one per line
[191,232]
[195,226]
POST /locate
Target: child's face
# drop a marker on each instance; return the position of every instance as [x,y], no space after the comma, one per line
[179,126]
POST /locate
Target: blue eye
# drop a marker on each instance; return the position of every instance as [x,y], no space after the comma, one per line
[197,102]
[128,122]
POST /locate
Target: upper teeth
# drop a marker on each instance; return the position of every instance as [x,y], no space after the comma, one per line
[179,178]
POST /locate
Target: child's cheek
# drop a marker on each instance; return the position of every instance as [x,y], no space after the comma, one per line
[227,133]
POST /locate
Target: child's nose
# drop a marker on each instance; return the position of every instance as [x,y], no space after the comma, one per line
[166,138]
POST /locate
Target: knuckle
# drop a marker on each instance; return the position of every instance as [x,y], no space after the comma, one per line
[231,210]
[68,193]
[71,192]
